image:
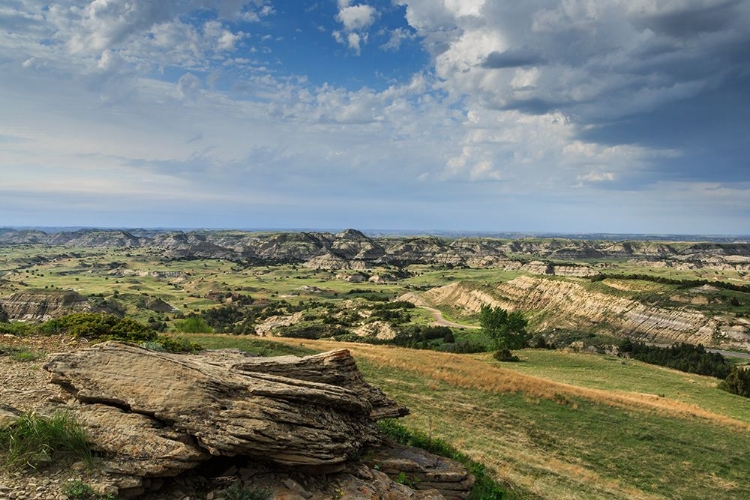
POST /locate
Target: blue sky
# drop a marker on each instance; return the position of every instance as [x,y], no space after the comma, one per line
[551,116]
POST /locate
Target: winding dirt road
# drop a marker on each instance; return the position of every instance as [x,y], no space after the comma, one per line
[437,316]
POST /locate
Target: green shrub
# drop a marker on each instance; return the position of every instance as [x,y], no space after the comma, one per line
[35,440]
[684,357]
[193,324]
[463,347]
[505,355]
[100,327]
[239,492]
[737,382]
[178,344]
[19,329]
[78,490]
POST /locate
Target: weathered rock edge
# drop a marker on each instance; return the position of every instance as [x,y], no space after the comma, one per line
[157,414]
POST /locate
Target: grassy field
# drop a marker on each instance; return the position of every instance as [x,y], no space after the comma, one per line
[565,426]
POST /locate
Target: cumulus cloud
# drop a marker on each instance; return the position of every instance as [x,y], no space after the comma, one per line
[355,21]
[519,101]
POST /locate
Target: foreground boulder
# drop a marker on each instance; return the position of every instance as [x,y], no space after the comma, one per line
[155,415]
[228,404]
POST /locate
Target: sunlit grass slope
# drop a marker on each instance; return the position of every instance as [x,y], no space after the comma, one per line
[563,426]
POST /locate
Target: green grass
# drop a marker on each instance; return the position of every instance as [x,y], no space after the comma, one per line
[620,374]
[575,448]
[35,440]
[485,487]
[22,354]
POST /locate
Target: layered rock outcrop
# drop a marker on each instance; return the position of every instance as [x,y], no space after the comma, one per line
[570,305]
[155,415]
[45,305]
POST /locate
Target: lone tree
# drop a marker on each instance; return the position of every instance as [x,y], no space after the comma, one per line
[504,330]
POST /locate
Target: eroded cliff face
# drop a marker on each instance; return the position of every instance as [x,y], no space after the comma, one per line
[45,305]
[557,303]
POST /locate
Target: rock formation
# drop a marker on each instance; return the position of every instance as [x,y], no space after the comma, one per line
[44,305]
[352,249]
[155,415]
[570,305]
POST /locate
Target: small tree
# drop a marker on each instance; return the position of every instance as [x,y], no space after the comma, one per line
[737,382]
[504,330]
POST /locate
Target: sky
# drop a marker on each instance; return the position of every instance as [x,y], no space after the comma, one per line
[568,116]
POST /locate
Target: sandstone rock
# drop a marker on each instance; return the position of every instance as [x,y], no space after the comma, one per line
[316,410]
[336,368]
[422,470]
[8,416]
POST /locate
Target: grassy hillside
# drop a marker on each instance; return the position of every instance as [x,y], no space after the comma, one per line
[566,426]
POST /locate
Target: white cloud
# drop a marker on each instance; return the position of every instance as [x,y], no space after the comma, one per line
[129,97]
[397,37]
[355,21]
[356,17]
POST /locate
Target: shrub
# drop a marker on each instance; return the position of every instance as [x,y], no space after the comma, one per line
[193,324]
[100,327]
[463,347]
[239,492]
[178,344]
[684,357]
[504,355]
[78,490]
[35,440]
[737,382]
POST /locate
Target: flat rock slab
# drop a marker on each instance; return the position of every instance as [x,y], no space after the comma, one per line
[295,411]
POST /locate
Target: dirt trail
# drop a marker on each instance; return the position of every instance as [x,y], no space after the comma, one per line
[437,316]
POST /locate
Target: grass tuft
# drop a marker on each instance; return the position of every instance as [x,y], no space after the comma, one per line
[35,440]
[239,492]
[485,488]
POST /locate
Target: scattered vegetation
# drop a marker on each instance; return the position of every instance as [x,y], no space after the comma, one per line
[78,490]
[684,283]
[684,357]
[35,440]
[238,491]
[737,382]
[193,324]
[100,327]
[20,353]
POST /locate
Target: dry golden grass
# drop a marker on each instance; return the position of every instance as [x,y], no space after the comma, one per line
[482,373]
[554,440]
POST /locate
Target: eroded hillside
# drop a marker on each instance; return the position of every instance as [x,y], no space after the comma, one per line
[603,307]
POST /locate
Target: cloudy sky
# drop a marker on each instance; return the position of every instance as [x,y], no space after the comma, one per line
[619,116]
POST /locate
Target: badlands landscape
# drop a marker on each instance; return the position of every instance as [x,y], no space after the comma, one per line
[586,412]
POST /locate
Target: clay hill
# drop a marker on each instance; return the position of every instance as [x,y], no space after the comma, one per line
[353,249]
[189,426]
